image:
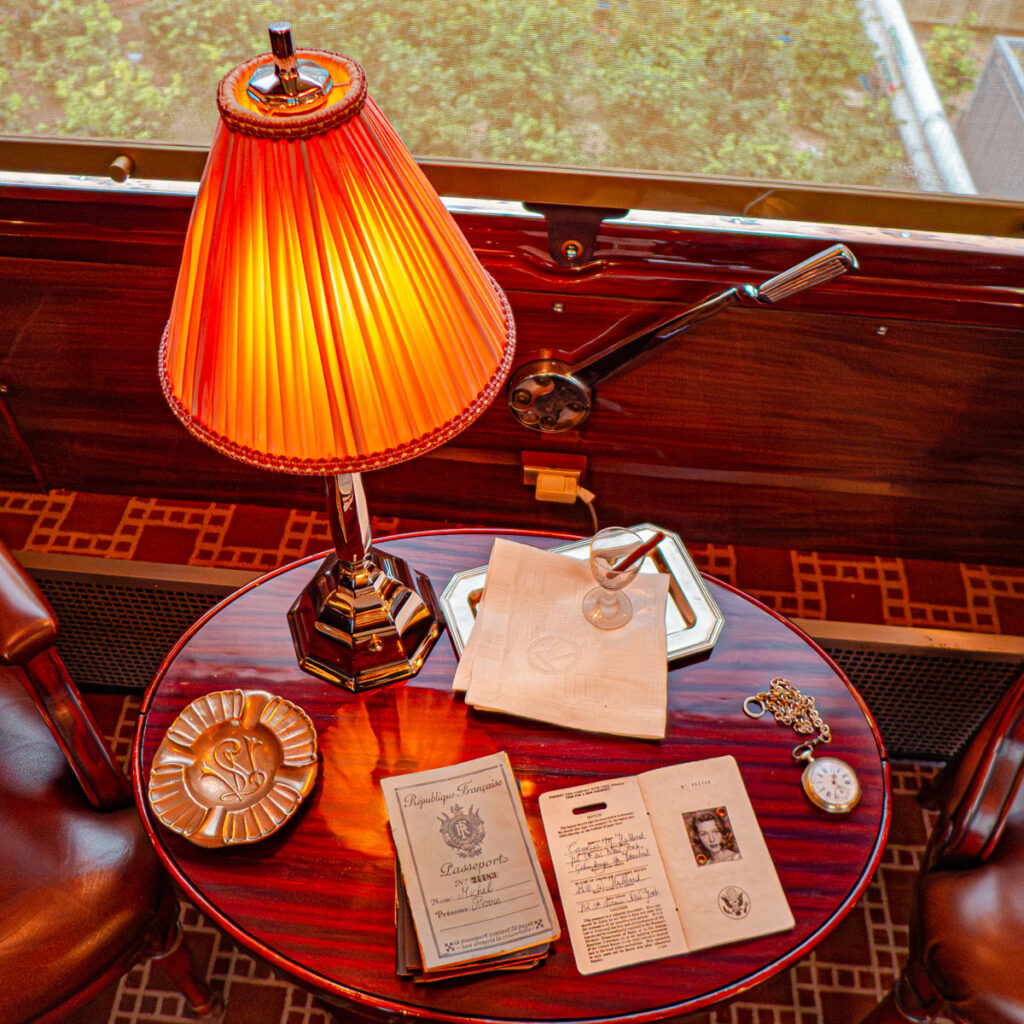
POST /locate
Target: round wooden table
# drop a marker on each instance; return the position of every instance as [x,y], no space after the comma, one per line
[317,898]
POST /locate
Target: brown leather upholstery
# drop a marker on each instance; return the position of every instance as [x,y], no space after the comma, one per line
[83,896]
[78,890]
[967,930]
[28,623]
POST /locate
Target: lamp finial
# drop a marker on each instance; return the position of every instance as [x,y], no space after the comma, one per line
[288,84]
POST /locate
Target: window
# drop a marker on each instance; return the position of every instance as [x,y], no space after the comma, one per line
[766,104]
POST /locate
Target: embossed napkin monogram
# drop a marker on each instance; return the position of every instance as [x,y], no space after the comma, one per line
[474,884]
[532,653]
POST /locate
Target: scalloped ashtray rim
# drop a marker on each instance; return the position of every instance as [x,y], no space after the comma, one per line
[266,796]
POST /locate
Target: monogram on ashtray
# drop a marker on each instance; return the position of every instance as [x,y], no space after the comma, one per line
[233,767]
[240,775]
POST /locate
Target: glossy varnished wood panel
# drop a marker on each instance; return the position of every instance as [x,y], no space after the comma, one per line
[784,429]
[879,413]
[317,899]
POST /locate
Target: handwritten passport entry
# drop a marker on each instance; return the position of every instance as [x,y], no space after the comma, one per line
[471,873]
[662,863]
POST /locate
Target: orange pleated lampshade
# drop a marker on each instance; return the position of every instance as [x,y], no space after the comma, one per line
[329,314]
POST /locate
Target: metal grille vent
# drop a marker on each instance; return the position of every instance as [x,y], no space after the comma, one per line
[928,689]
[118,622]
[926,707]
[114,637]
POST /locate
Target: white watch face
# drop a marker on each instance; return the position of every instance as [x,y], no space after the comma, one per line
[831,785]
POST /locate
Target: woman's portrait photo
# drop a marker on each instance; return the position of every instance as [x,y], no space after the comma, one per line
[711,836]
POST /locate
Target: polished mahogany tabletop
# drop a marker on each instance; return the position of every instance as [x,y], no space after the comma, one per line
[317,898]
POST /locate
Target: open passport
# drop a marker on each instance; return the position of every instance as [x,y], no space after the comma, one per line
[662,863]
[470,882]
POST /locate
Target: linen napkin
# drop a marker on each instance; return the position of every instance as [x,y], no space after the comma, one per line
[531,652]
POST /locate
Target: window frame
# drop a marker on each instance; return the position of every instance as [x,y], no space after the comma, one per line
[743,199]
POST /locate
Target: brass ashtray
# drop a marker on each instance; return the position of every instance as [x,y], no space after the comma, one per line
[233,767]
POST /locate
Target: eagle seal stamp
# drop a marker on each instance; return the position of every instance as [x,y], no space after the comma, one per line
[734,902]
[463,830]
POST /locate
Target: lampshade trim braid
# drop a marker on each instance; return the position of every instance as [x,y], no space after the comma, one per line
[290,125]
[356,463]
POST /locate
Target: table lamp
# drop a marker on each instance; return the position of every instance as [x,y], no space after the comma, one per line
[330,318]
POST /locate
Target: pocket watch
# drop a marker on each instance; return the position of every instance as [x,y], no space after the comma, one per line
[830,784]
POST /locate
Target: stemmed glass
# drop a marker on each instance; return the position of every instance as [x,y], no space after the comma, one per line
[605,605]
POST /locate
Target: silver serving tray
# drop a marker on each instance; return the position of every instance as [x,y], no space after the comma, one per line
[692,619]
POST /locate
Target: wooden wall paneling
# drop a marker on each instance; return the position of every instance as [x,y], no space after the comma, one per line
[878,413]
[84,388]
[133,228]
[18,465]
[772,425]
[903,275]
[953,525]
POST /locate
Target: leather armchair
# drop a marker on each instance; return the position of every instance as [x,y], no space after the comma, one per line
[83,896]
[967,927]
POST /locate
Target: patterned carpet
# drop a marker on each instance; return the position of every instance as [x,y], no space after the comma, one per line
[837,984]
[799,584]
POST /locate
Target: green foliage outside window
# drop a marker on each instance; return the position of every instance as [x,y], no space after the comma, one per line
[724,87]
[67,72]
[951,59]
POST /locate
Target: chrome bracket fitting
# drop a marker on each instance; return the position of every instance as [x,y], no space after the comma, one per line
[544,395]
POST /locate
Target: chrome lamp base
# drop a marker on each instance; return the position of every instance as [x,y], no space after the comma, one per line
[365,619]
